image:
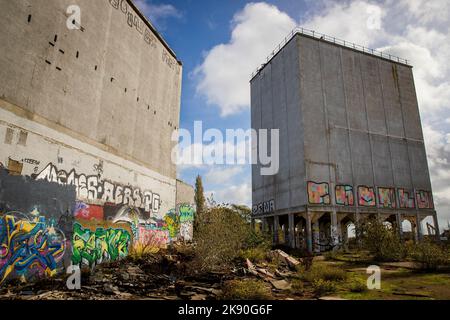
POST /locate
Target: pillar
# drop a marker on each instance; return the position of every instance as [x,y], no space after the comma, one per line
[398,219]
[316,236]
[419,227]
[264,225]
[436,226]
[276,227]
[309,232]
[334,229]
[291,231]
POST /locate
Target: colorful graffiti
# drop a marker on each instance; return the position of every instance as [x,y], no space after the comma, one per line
[344,195]
[93,188]
[366,196]
[153,238]
[386,198]
[187,213]
[94,247]
[424,199]
[406,199]
[318,193]
[85,211]
[30,246]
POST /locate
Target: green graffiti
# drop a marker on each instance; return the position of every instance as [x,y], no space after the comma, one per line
[186,213]
[172,223]
[92,248]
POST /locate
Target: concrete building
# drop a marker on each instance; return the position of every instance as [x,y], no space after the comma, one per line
[91,104]
[351,142]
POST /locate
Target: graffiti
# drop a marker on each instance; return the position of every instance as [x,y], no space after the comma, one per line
[186,213]
[94,247]
[424,199]
[172,223]
[386,198]
[264,207]
[318,193]
[99,168]
[406,199]
[30,246]
[31,161]
[186,231]
[93,188]
[344,195]
[366,196]
[85,211]
[134,20]
[153,238]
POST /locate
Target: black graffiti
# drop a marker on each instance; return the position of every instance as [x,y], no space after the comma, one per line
[264,207]
[92,188]
[133,20]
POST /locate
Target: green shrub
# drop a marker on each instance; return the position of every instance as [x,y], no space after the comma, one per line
[246,290]
[357,285]
[297,286]
[322,287]
[428,255]
[255,255]
[331,255]
[326,273]
[381,241]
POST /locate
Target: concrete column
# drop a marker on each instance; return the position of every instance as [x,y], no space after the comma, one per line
[291,230]
[276,227]
[419,227]
[334,229]
[316,236]
[264,225]
[398,218]
[436,226]
[309,243]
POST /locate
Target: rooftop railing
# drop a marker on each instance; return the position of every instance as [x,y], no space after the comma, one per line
[321,36]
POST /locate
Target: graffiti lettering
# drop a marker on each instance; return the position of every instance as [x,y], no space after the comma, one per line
[264,207]
[386,198]
[344,195]
[424,199]
[318,193]
[94,247]
[406,199]
[93,188]
[153,238]
[366,196]
[29,246]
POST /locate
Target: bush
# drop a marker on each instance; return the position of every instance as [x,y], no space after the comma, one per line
[326,273]
[297,287]
[357,286]
[331,255]
[429,255]
[246,290]
[322,287]
[255,255]
[382,242]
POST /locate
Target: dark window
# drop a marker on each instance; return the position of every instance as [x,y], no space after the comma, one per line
[78,54]
[29,18]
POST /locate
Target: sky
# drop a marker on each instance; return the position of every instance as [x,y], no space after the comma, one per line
[221,42]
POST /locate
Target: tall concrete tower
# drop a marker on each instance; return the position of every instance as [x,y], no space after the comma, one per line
[351,142]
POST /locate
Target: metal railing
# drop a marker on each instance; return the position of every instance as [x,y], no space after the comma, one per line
[321,36]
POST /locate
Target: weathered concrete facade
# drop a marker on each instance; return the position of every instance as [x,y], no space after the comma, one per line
[351,143]
[92,109]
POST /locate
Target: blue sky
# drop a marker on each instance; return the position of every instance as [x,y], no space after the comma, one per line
[220,43]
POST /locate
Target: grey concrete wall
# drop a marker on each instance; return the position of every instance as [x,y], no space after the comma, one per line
[111,84]
[185,193]
[345,118]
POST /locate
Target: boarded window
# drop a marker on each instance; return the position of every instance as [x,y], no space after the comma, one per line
[15,167]
[23,136]
[9,136]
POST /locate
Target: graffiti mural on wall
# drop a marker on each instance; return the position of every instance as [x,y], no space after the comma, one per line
[386,198]
[94,247]
[186,213]
[366,196]
[85,211]
[424,199]
[344,195]
[92,188]
[153,238]
[406,199]
[318,193]
[31,246]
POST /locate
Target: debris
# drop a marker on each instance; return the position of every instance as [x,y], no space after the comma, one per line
[281,285]
[291,262]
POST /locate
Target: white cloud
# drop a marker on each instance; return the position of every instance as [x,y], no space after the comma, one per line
[223,175]
[223,77]
[234,194]
[156,12]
